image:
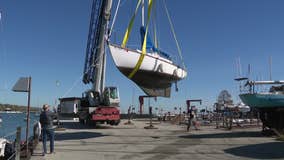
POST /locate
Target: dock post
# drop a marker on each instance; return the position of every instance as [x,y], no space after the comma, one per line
[17,143]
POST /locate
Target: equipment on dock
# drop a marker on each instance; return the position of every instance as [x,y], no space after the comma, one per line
[68,107]
[189,106]
[269,104]
[141,102]
[100,103]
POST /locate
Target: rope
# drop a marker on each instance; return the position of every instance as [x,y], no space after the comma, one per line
[154,19]
[173,32]
[114,18]
[74,84]
[80,78]
[140,60]
[129,28]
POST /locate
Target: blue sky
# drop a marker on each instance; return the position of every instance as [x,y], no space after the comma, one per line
[47,40]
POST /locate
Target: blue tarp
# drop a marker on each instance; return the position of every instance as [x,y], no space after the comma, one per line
[150,45]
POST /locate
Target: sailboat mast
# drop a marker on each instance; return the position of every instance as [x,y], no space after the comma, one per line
[142,17]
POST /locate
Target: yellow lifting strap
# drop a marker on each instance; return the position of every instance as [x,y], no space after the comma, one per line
[129,28]
[140,60]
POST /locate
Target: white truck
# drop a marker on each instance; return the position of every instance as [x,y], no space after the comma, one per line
[68,107]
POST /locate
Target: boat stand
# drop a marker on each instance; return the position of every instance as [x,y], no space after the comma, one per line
[129,113]
[151,126]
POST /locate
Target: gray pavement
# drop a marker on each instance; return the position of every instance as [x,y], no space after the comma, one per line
[168,142]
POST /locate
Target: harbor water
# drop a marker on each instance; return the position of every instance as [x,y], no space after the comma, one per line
[10,122]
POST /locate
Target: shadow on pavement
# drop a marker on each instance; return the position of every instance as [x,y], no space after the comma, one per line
[226,135]
[77,125]
[271,150]
[77,135]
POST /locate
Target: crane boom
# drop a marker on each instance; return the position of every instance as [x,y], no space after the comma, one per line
[94,69]
[99,104]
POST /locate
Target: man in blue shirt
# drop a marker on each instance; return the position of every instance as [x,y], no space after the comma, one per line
[46,121]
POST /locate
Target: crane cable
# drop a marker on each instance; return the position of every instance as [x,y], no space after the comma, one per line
[114,19]
[129,28]
[75,83]
[154,19]
[140,60]
[174,34]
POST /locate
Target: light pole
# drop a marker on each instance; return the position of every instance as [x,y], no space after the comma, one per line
[24,85]
[57,83]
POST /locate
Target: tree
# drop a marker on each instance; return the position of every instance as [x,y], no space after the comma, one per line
[225,98]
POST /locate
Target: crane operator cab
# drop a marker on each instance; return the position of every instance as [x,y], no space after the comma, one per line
[91,98]
[111,96]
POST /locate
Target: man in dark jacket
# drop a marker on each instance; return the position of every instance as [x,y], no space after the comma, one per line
[46,121]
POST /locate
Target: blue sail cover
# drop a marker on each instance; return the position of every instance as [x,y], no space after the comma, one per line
[150,45]
[149,41]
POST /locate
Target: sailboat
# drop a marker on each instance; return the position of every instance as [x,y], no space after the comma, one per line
[150,67]
[270,105]
[264,100]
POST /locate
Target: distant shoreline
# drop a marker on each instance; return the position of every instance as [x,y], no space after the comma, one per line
[6,108]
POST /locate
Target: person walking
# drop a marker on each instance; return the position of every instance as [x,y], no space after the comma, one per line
[194,121]
[46,121]
[189,119]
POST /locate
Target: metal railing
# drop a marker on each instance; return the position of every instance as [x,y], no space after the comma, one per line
[16,135]
[14,138]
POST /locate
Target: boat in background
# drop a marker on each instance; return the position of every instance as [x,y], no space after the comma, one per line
[9,110]
[269,104]
[271,99]
[243,108]
[37,114]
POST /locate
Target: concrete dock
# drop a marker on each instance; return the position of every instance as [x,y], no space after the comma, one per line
[168,142]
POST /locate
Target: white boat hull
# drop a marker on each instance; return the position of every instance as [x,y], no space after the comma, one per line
[155,71]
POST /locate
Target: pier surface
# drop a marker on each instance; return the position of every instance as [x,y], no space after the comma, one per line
[168,142]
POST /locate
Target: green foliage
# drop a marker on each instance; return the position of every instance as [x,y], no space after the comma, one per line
[14,107]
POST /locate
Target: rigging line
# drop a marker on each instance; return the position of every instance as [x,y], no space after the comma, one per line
[94,60]
[158,20]
[154,20]
[129,28]
[80,78]
[71,88]
[114,18]
[122,4]
[140,60]
[173,32]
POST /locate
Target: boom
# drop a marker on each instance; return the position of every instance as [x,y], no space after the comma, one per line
[94,69]
[99,104]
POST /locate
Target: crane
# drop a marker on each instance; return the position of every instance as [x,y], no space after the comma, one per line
[100,103]
[189,102]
